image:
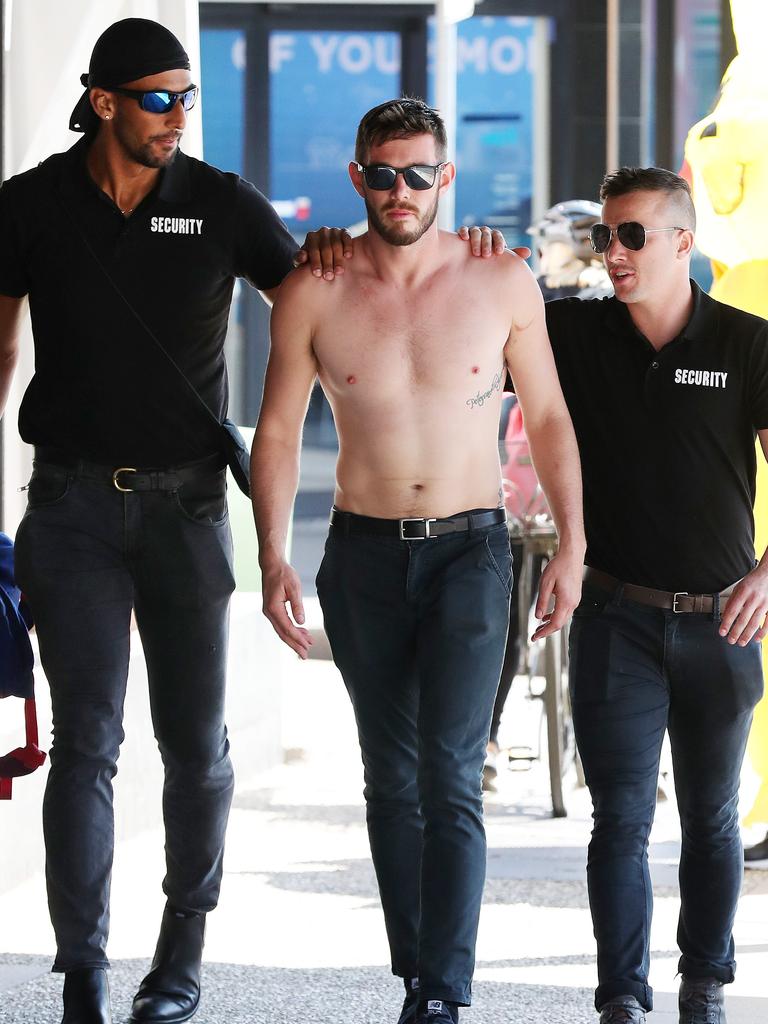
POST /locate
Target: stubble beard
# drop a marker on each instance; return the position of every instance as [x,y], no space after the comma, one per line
[396,236]
[144,154]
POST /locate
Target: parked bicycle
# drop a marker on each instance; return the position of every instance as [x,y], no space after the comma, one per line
[545,662]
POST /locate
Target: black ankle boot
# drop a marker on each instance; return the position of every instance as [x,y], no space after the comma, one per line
[170,993]
[86,997]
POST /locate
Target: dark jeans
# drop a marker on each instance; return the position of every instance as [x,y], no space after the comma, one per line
[86,555]
[418,629]
[637,671]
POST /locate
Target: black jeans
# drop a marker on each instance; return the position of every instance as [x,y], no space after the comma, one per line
[417,629]
[637,671]
[86,555]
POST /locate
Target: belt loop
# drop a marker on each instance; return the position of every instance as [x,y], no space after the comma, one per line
[716,607]
[617,597]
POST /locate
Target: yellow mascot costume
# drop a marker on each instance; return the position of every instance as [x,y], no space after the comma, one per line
[727,161]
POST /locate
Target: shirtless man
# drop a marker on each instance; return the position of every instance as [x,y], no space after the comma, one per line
[411,346]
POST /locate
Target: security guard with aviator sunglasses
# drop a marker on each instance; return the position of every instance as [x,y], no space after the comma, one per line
[667,389]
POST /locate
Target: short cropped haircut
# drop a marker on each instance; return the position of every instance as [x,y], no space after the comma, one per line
[399,119]
[652,179]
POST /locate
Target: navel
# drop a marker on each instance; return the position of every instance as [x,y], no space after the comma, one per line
[475,369]
[417,487]
[351,379]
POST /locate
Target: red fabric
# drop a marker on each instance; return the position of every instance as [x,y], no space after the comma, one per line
[523,496]
[22,760]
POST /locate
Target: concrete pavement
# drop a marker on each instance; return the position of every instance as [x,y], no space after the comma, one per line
[299,934]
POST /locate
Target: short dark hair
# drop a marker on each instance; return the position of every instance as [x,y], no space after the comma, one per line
[400,119]
[651,179]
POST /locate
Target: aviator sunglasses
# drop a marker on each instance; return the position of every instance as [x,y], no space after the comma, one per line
[630,234]
[160,101]
[382,177]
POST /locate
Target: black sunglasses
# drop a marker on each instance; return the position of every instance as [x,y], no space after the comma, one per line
[630,234]
[382,177]
[160,101]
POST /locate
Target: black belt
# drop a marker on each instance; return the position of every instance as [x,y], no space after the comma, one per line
[416,529]
[129,478]
[679,601]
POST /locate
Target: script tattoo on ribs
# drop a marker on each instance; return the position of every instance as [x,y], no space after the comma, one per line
[479,400]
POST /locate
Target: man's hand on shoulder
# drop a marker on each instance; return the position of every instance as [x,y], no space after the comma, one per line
[325,250]
[486,242]
[743,617]
[280,587]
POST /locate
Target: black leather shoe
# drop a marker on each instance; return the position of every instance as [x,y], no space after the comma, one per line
[86,997]
[170,993]
[701,1001]
[411,1001]
[622,1010]
[435,1011]
[757,852]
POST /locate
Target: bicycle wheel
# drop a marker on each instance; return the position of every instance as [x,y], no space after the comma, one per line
[561,747]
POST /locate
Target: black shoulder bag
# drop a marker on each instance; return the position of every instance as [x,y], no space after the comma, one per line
[231,442]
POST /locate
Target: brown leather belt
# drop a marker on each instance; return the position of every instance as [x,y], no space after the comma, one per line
[679,602]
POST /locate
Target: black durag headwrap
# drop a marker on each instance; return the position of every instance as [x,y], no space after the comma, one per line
[125,52]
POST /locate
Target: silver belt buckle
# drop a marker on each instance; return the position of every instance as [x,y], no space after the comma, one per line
[123,469]
[675,597]
[426,522]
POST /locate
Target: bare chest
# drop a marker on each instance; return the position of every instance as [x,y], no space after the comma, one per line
[380,342]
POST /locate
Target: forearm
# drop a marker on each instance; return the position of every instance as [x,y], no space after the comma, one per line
[555,457]
[762,565]
[274,480]
[7,367]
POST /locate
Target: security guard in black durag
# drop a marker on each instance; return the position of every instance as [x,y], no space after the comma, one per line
[120,239]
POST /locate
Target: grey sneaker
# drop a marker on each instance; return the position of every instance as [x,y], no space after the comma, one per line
[622,1010]
[701,1001]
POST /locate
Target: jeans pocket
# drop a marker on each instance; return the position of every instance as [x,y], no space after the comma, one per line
[48,485]
[593,602]
[204,501]
[500,556]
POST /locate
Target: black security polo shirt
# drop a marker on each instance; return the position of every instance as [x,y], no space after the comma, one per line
[667,439]
[101,389]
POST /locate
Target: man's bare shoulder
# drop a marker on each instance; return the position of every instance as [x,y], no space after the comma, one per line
[300,286]
[506,264]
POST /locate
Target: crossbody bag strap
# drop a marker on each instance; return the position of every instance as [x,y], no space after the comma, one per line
[140,319]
